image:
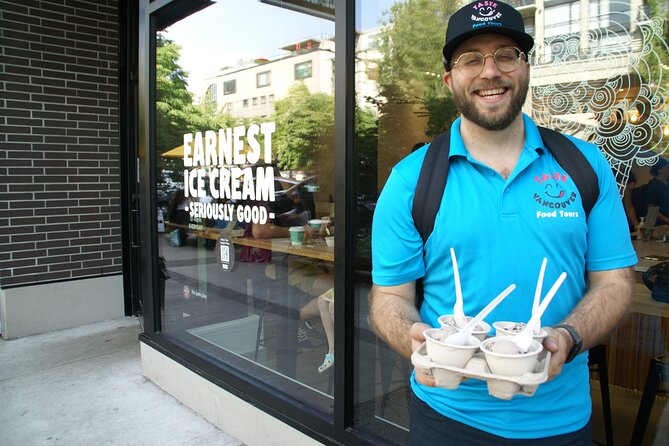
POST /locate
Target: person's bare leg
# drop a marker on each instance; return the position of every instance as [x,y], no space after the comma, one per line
[326,307]
[310,310]
[327,318]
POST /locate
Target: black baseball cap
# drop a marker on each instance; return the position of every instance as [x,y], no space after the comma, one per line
[485,17]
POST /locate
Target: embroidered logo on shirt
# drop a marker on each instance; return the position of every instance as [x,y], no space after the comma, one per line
[556,195]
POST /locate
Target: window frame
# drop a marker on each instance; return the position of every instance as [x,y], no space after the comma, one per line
[297,69]
[260,84]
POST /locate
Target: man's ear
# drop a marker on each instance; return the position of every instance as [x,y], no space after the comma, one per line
[447,79]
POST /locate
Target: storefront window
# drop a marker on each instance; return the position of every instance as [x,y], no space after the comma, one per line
[589,79]
[249,214]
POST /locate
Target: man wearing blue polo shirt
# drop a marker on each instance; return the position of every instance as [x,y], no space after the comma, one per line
[507,205]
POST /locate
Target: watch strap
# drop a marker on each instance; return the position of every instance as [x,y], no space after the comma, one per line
[575,337]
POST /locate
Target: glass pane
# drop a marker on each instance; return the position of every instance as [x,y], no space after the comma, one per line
[246,191]
[605,90]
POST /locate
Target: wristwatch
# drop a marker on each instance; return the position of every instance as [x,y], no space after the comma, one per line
[575,337]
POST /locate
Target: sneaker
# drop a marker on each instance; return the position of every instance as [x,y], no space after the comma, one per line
[327,363]
[302,338]
[309,324]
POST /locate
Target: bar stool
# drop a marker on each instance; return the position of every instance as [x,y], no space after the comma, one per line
[597,363]
[658,373]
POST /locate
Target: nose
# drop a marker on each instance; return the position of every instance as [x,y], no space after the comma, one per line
[490,69]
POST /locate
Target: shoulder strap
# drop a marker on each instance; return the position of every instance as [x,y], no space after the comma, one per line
[429,191]
[575,163]
[431,185]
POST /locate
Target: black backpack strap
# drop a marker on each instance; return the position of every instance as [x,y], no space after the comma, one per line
[431,185]
[575,164]
[429,191]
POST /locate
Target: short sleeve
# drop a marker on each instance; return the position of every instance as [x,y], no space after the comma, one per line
[397,248]
[609,241]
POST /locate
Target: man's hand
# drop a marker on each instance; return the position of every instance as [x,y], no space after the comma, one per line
[417,339]
[559,343]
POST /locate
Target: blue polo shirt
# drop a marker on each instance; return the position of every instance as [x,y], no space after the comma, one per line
[501,230]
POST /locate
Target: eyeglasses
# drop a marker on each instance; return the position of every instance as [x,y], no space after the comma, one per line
[506,59]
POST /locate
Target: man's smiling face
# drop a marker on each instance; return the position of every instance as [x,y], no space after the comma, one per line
[492,100]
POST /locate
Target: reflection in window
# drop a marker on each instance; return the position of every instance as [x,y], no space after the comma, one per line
[263,79]
[211,96]
[230,87]
[303,70]
[239,291]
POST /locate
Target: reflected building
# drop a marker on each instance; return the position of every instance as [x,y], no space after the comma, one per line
[250,89]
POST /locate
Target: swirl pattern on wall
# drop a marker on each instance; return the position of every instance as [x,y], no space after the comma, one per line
[606,83]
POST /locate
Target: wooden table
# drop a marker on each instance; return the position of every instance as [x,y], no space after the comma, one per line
[649,253]
[313,249]
[645,331]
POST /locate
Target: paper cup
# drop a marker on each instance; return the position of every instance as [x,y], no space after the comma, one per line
[296,235]
[315,224]
[510,364]
[480,332]
[329,240]
[506,328]
[448,354]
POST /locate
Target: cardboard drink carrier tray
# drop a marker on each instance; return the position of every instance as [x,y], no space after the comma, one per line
[499,386]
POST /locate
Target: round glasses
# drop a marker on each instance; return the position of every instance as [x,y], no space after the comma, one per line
[506,59]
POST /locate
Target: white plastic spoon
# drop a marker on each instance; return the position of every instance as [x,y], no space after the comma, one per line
[458,308]
[524,339]
[462,337]
[537,295]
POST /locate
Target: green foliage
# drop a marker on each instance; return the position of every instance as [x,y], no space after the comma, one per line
[412,67]
[659,56]
[175,112]
[304,124]
[366,143]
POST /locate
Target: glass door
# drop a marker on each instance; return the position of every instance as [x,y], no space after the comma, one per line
[244,181]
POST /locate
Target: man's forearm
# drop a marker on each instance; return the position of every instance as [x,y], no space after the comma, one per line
[392,316]
[603,306]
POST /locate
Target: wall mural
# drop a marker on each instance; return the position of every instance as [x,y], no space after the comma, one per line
[609,87]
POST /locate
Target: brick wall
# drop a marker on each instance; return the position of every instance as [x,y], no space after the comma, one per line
[59,146]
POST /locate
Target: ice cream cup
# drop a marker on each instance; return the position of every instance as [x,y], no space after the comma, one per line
[329,240]
[509,363]
[480,332]
[315,224]
[296,235]
[507,328]
[443,353]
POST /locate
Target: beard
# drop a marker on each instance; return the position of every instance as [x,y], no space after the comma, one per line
[496,118]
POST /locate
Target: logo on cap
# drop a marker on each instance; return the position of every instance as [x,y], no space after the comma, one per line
[486,11]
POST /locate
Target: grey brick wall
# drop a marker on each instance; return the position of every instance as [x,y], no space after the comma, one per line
[59,146]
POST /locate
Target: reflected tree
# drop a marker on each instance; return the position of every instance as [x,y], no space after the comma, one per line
[175,112]
[304,124]
[411,69]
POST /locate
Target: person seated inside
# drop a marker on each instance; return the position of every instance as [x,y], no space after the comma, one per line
[657,190]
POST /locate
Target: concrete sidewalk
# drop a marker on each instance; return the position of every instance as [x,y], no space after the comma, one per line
[84,386]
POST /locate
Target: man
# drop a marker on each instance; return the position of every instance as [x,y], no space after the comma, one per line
[657,192]
[507,205]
